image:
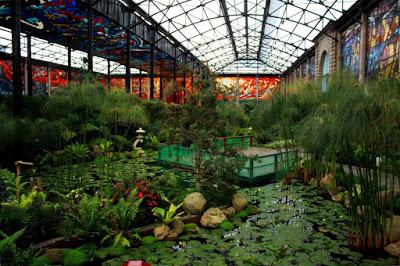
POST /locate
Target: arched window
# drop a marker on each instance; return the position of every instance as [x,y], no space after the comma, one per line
[325,71]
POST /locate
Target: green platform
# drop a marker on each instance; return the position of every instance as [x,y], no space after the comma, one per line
[261,164]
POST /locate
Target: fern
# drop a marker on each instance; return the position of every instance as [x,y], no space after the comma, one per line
[9,241]
[125,211]
[13,184]
[167,216]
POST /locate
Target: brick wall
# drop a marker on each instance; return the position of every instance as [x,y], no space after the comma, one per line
[326,43]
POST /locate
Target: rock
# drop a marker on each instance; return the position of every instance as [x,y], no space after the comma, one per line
[177,226]
[229,212]
[328,184]
[171,236]
[339,197]
[54,255]
[239,202]
[194,203]
[212,218]
[393,249]
[161,232]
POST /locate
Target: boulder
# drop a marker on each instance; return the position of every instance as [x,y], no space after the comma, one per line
[229,212]
[212,218]
[393,249]
[54,255]
[239,202]
[161,232]
[177,226]
[194,203]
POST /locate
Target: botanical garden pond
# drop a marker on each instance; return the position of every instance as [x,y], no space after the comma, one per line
[294,226]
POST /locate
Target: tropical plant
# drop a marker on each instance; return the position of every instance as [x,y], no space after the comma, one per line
[8,248]
[167,216]
[106,146]
[78,152]
[125,211]
[364,118]
[88,216]
[13,184]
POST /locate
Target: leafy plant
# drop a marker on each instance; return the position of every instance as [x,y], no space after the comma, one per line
[168,215]
[14,184]
[74,257]
[78,152]
[106,146]
[88,216]
[8,248]
[125,211]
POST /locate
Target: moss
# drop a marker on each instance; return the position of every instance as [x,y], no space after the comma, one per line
[110,252]
[226,225]
[242,214]
[148,240]
[189,227]
[41,261]
[74,257]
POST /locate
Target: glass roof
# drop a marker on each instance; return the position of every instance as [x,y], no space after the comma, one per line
[58,54]
[252,36]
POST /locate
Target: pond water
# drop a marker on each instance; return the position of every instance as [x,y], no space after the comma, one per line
[295,226]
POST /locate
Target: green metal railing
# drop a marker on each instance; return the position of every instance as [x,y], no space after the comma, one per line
[255,168]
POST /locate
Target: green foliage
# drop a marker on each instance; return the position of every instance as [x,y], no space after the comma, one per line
[354,124]
[167,215]
[8,248]
[233,117]
[226,225]
[41,261]
[74,257]
[125,211]
[147,240]
[220,176]
[78,152]
[106,146]
[242,214]
[14,184]
[85,215]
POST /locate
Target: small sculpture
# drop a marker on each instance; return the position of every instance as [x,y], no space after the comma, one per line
[139,139]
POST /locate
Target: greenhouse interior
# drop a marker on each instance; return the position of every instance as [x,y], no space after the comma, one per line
[199,132]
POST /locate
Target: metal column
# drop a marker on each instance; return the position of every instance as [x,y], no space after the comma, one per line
[90,37]
[161,86]
[175,86]
[108,75]
[128,82]
[29,63]
[363,47]
[69,67]
[16,52]
[140,83]
[152,64]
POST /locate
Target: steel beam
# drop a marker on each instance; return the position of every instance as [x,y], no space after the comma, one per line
[69,67]
[152,67]
[16,52]
[224,10]
[264,23]
[90,37]
[128,87]
[29,63]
